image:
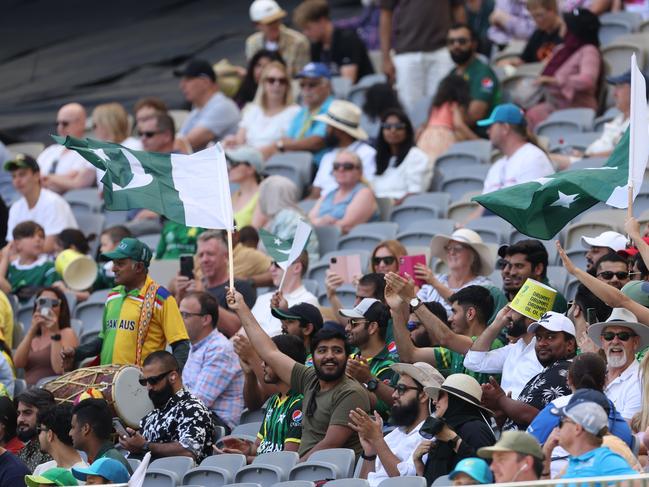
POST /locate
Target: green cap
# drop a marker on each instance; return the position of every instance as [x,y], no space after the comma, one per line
[53,476]
[516,441]
[638,291]
[130,248]
[21,161]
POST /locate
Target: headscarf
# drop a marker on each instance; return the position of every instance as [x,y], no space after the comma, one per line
[275,194]
[460,411]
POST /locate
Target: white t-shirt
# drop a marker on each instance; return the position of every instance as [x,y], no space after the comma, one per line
[324,178]
[64,159]
[51,212]
[44,467]
[626,391]
[526,164]
[261,310]
[262,129]
[411,176]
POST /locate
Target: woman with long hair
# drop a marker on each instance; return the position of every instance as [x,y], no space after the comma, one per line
[110,123]
[250,81]
[385,256]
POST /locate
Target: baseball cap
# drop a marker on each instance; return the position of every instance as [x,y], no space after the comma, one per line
[266,11]
[589,415]
[590,395]
[304,312]
[108,468]
[368,308]
[21,161]
[197,68]
[422,372]
[505,113]
[314,70]
[612,240]
[247,154]
[553,321]
[516,441]
[638,291]
[476,468]
[631,251]
[53,476]
[130,248]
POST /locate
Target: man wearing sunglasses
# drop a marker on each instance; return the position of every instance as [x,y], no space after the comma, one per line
[613,269]
[621,336]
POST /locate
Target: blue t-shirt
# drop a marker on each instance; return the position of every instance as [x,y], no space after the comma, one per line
[304,125]
[12,471]
[600,462]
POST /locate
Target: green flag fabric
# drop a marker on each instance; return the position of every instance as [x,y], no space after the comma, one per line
[276,247]
[192,190]
[541,208]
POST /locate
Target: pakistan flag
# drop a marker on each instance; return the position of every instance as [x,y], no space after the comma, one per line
[541,208]
[192,190]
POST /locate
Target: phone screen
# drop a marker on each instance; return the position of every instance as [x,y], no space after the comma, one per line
[187,266]
[407,266]
[119,427]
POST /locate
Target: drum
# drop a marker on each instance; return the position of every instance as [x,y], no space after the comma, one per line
[118,384]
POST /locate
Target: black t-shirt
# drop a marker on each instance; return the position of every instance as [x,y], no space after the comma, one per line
[12,471]
[540,46]
[4,217]
[346,48]
[249,293]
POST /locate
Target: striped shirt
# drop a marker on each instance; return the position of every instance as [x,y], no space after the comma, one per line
[282,423]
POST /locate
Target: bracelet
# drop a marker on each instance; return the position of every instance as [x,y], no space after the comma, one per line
[368,457]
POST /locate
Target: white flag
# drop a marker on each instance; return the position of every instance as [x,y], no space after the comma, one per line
[302,234]
[137,479]
[639,129]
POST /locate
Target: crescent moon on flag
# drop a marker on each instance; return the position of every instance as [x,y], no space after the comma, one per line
[140,178]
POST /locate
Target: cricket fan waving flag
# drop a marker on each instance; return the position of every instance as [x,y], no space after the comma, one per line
[140,316]
[541,208]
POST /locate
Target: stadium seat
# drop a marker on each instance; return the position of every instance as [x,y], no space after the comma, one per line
[25,312]
[615,217]
[641,202]
[588,162]
[569,141]
[302,161]
[492,229]
[460,210]
[466,161]
[496,279]
[404,481]
[353,482]
[575,231]
[437,225]
[91,224]
[419,113]
[328,236]
[578,256]
[247,430]
[365,236]
[582,117]
[268,468]
[556,129]
[421,233]
[215,470]
[286,169]
[558,276]
[312,286]
[91,315]
[341,86]
[19,386]
[346,294]
[179,117]
[407,213]
[612,28]
[244,484]
[134,463]
[117,217]
[178,464]
[610,114]
[617,54]
[256,416]
[342,459]
[357,92]
[480,148]
[18,333]
[570,289]
[441,481]
[163,271]
[158,477]
[458,182]
[77,326]
[98,296]
[295,483]
[30,148]
[84,200]
[306,205]
[151,239]
[385,206]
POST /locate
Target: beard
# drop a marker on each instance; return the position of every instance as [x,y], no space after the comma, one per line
[518,328]
[329,376]
[421,340]
[461,57]
[25,435]
[616,360]
[404,414]
[161,397]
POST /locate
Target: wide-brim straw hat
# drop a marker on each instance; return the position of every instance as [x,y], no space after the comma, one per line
[462,386]
[620,317]
[345,116]
[468,238]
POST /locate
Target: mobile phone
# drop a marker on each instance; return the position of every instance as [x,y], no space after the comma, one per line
[187,266]
[346,266]
[119,427]
[407,265]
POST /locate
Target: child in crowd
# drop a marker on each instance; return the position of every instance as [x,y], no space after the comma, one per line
[108,241]
[102,471]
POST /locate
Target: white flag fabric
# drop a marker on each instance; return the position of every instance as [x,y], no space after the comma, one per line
[137,479]
[302,234]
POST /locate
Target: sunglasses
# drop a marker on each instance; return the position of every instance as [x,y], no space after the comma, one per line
[393,126]
[413,325]
[48,302]
[388,260]
[462,41]
[608,275]
[345,166]
[355,323]
[309,84]
[402,389]
[154,379]
[271,81]
[622,335]
[186,314]
[147,135]
[233,163]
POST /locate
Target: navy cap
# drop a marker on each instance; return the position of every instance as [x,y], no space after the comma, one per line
[304,312]
[505,113]
[620,79]
[314,70]
[197,68]
[590,395]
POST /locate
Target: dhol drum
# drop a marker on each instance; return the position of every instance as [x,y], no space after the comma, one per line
[117,383]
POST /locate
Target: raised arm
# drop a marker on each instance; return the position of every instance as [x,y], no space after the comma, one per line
[261,342]
[486,338]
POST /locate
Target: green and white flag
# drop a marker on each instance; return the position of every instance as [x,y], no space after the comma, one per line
[541,208]
[285,252]
[192,190]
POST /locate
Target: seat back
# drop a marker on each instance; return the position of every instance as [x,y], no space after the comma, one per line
[177,464]
[30,148]
[405,481]
[327,238]
[160,478]
[343,458]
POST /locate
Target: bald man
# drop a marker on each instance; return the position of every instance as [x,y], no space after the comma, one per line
[63,169]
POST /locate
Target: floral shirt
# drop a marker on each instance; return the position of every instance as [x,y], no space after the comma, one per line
[548,385]
[184,419]
[32,455]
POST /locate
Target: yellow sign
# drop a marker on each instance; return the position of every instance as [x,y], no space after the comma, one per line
[534,299]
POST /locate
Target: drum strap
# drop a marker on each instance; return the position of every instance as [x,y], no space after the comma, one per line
[146,314]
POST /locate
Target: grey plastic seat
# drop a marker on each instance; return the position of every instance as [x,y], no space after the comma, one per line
[617,54]
[439,200]
[294,483]
[286,169]
[331,463]
[579,141]
[98,296]
[341,86]
[583,117]
[167,471]
[134,463]
[353,482]
[89,224]
[30,148]
[215,470]
[578,256]
[558,277]
[345,293]
[575,231]
[357,92]
[406,213]
[302,161]
[247,430]
[405,481]
[248,416]
[555,129]
[177,464]
[91,315]
[420,233]
[151,240]
[160,477]
[84,200]
[492,229]
[268,468]
[466,161]
[367,235]
[587,163]
[312,286]
[327,238]
[458,183]
[442,481]
[244,484]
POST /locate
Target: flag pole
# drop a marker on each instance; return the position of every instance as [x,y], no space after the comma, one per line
[629,208]
[281,282]
[230,258]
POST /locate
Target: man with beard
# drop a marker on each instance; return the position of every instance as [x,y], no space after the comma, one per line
[409,410]
[302,320]
[555,347]
[371,364]
[328,393]
[621,336]
[605,243]
[418,334]
[180,424]
[90,430]
[30,403]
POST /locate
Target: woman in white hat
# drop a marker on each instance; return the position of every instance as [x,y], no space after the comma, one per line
[468,260]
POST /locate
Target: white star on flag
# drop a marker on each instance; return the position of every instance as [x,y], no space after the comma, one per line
[565,200]
[101,154]
[278,241]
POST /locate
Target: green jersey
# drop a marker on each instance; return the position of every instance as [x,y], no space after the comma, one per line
[449,362]
[380,368]
[176,240]
[40,273]
[282,423]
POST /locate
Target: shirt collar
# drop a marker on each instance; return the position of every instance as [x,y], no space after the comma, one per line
[134,292]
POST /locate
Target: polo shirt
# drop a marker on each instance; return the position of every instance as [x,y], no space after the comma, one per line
[121,320]
[304,125]
[220,115]
[600,462]
[626,391]
[483,82]
[40,273]
[449,362]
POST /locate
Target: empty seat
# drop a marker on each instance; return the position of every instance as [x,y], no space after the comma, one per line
[405,214]
[466,161]
[91,315]
[159,477]
[441,481]
[163,270]
[578,141]
[215,470]
[30,148]
[327,238]
[421,235]
[492,229]
[268,468]
[86,199]
[330,463]
[354,482]
[280,168]
[583,117]
[366,235]
[558,276]
[405,481]
[247,430]
[575,231]
[555,129]
[345,293]
[433,199]
[167,471]
[578,256]
[458,182]
[302,161]
[256,416]
[617,54]
[295,483]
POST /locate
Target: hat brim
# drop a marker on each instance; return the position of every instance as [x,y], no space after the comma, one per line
[595,330]
[438,243]
[485,122]
[459,394]
[14,165]
[351,313]
[487,452]
[114,254]
[82,473]
[534,326]
[357,133]
[37,480]
[280,14]
[280,314]
[412,371]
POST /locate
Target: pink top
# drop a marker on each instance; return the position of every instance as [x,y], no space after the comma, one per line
[39,365]
[577,79]
[442,116]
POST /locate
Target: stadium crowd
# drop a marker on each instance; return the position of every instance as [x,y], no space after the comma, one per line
[417,330]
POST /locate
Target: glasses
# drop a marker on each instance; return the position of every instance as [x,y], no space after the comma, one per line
[65,123]
[154,379]
[41,429]
[387,260]
[413,325]
[462,41]
[147,135]
[454,249]
[622,335]
[402,389]
[187,314]
[271,81]
[48,302]
[565,421]
[309,84]
[393,126]
[608,275]
[345,166]
[355,323]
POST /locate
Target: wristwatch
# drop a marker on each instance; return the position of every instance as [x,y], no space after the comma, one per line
[415,303]
[280,145]
[372,384]
[145,447]
[56,337]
